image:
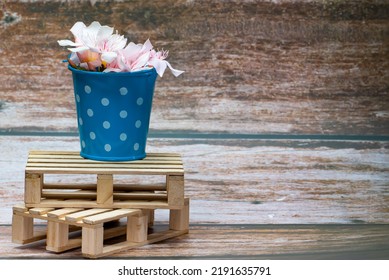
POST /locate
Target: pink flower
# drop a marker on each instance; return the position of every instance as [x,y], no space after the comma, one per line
[96,48]
[95,44]
[157,60]
[133,57]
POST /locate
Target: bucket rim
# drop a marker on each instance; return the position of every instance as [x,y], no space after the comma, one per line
[142,72]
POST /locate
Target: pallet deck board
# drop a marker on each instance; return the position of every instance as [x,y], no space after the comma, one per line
[122,171]
[151,238]
[105,192]
[72,163]
[31,166]
[59,213]
[140,204]
[40,211]
[108,216]
[93,224]
[118,187]
[81,194]
[82,214]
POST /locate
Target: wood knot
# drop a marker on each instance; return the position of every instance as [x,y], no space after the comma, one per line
[9,18]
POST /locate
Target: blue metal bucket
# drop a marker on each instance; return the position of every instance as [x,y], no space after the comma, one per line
[113,111]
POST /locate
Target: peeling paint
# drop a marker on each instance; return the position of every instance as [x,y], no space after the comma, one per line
[9,18]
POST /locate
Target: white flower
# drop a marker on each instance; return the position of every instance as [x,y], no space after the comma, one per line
[157,60]
[133,57]
[96,48]
[95,38]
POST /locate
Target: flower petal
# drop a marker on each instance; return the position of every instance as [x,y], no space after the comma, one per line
[79,49]
[104,33]
[88,56]
[65,43]
[131,52]
[94,65]
[117,42]
[147,46]
[73,59]
[175,72]
[77,29]
[141,61]
[159,65]
[93,28]
[84,65]
[111,69]
[121,64]
[109,56]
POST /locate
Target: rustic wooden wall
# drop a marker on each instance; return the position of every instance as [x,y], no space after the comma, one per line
[282,115]
[253,67]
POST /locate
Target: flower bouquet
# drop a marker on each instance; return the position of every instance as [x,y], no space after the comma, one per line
[113,88]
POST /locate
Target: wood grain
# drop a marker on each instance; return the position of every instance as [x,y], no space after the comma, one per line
[289,67]
[249,181]
[285,68]
[301,242]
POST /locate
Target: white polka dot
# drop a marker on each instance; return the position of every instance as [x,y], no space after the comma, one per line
[139,101]
[87,89]
[83,144]
[123,137]
[123,91]
[136,146]
[77,98]
[80,121]
[89,112]
[107,147]
[105,101]
[138,123]
[123,114]
[92,135]
[106,124]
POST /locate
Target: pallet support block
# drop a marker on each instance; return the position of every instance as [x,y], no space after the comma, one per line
[92,240]
[137,228]
[33,188]
[57,236]
[175,190]
[22,229]
[150,216]
[179,219]
[104,189]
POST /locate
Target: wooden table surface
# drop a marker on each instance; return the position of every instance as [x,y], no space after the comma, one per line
[282,119]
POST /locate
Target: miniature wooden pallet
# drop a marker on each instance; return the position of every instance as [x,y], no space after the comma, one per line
[60,221]
[104,193]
